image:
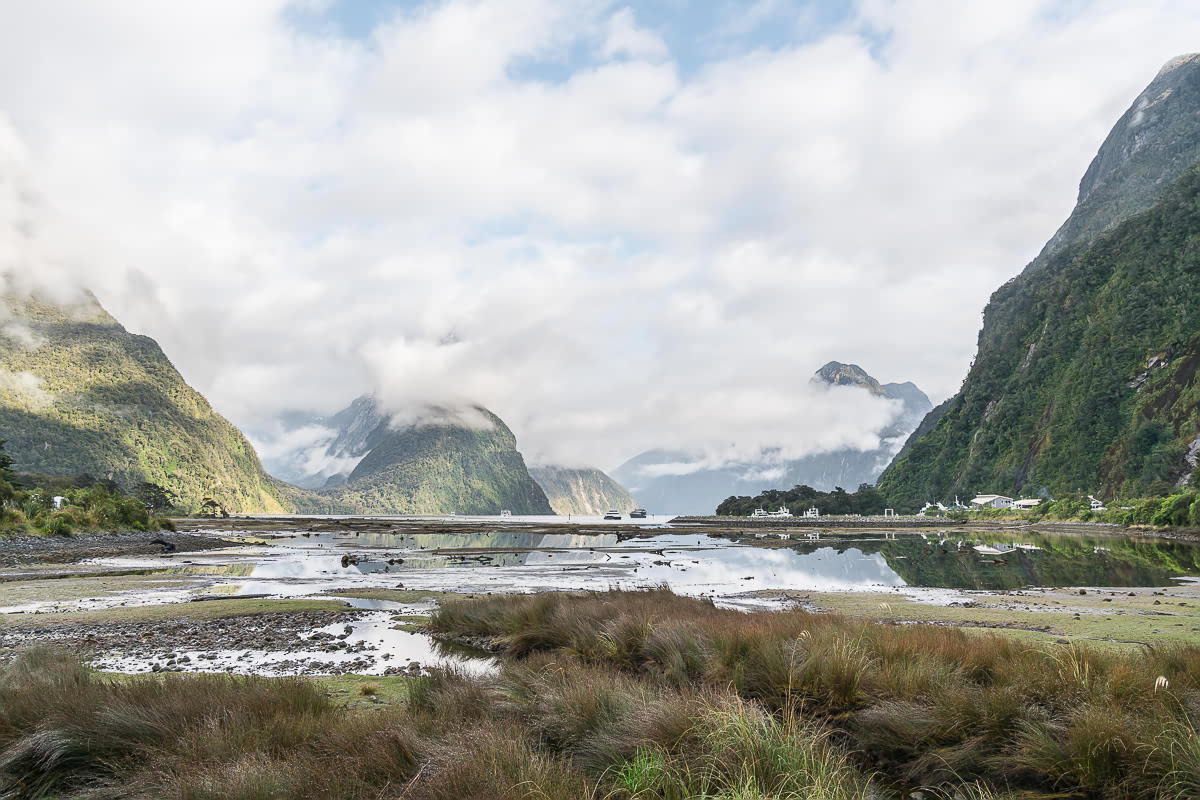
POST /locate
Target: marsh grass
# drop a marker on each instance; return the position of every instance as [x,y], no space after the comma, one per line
[632,696]
[924,704]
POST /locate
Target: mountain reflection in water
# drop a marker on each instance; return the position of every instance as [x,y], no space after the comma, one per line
[700,563]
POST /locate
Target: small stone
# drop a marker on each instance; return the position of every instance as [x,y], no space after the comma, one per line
[1083,591]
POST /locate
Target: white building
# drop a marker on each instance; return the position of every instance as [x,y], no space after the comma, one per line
[992,501]
[1097,505]
[1025,505]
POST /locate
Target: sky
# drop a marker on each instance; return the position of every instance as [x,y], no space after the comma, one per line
[618,225]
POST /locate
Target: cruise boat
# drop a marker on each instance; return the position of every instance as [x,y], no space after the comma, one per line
[614,514]
[759,512]
[637,513]
[782,513]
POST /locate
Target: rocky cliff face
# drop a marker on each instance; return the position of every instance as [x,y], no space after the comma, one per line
[1149,148]
[582,490]
[1085,377]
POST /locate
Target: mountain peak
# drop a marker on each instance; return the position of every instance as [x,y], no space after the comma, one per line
[1176,62]
[1147,150]
[839,374]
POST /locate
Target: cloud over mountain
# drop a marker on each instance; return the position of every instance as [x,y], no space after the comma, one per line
[617,227]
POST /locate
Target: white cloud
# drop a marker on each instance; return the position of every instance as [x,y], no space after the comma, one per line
[631,252]
[625,38]
[24,335]
[25,389]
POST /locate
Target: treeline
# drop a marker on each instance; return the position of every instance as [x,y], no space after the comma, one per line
[866,501]
[28,504]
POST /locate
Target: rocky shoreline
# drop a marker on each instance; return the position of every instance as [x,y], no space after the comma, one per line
[157,640]
[22,550]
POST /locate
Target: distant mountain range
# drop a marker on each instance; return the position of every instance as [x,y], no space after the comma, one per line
[467,463]
[678,482]
[1086,372]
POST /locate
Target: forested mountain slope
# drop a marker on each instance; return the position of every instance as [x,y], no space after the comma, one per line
[1085,372]
[79,394]
[581,490]
[433,468]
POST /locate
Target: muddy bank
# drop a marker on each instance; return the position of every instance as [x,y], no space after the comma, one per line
[157,640]
[16,551]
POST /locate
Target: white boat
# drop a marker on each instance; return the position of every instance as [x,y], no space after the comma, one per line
[505,513]
[759,512]
[614,514]
[782,513]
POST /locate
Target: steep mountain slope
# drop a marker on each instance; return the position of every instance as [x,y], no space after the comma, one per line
[678,481]
[581,491]
[371,465]
[1150,147]
[79,394]
[1085,377]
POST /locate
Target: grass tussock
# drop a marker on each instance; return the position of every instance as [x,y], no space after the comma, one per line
[633,696]
[545,728]
[924,705]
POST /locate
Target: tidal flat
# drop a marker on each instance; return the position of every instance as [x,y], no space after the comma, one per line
[431,625]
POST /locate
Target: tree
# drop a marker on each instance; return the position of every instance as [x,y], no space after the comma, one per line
[211,508]
[6,471]
[154,495]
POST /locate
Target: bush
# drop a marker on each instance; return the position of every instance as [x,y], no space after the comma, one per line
[1173,510]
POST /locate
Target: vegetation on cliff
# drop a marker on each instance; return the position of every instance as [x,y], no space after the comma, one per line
[1086,373]
[79,394]
[436,468]
[581,490]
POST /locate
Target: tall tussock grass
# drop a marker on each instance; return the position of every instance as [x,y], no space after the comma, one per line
[550,728]
[925,705]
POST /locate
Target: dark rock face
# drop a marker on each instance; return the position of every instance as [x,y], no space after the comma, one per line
[1151,146]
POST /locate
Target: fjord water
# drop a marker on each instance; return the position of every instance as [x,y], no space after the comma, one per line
[503,558]
[734,568]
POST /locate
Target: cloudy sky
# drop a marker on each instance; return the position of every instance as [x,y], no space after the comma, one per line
[618,225]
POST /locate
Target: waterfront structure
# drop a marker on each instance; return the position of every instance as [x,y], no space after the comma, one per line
[992,501]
